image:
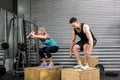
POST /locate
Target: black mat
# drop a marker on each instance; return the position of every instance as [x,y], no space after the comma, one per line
[9,76]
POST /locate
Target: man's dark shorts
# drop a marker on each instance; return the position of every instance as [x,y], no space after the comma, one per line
[81,44]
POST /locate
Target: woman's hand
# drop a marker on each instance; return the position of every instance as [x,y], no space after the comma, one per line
[31,34]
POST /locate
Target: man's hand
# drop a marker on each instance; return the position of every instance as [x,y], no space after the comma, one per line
[88,53]
[70,54]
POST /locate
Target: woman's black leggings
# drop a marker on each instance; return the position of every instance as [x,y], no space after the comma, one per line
[48,51]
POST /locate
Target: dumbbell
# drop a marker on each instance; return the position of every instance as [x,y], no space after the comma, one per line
[22,46]
[5,45]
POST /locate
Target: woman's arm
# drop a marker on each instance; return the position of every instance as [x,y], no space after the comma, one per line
[30,34]
[46,36]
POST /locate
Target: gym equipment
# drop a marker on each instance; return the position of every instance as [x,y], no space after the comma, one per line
[22,46]
[18,44]
[2,70]
[101,67]
[17,66]
[112,74]
[5,45]
[32,44]
[19,57]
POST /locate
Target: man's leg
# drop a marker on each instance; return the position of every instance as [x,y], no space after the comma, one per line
[86,49]
[76,49]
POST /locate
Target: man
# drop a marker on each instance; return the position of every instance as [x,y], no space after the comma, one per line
[86,43]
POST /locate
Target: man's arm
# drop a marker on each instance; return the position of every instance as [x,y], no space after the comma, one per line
[89,36]
[72,42]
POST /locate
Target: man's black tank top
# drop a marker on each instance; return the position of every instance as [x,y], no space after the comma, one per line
[83,36]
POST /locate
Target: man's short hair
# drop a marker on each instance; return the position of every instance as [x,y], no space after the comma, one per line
[73,19]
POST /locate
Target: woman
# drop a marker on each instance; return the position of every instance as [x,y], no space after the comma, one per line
[51,46]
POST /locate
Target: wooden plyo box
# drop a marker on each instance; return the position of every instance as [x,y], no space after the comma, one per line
[79,74]
[37,73]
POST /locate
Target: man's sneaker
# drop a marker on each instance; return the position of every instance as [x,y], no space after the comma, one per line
[80,66]
[77,66]
[43,65]
[86,66]
[51,66]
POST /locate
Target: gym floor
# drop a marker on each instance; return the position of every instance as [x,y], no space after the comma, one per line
[9,76]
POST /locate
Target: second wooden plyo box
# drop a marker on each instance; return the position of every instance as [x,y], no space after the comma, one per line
[79,74]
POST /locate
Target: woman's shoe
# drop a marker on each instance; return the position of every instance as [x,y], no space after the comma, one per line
[51,66]
[43,65]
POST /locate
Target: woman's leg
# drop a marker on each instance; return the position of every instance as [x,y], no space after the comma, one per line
[51,60]
[49,51]
[41,53]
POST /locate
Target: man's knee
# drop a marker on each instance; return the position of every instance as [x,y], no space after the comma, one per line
[86,47]
[76,47]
